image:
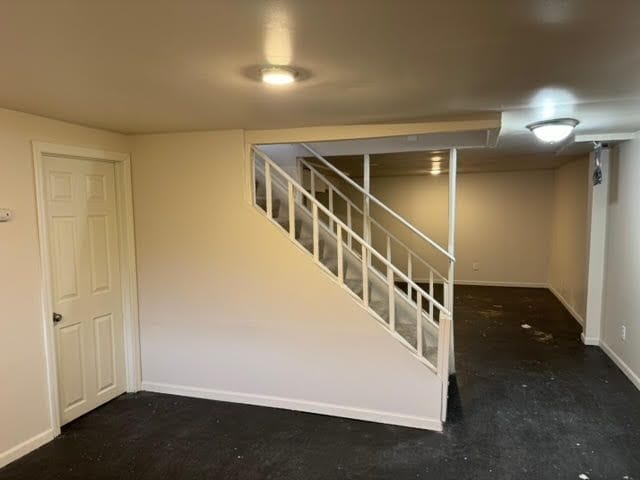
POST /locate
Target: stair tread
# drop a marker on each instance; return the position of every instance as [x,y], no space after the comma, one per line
[379,304]
[307,243]
[308,240]
[263,198]
[285,223]
[275,205]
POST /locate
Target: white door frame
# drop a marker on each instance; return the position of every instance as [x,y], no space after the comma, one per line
[124,206]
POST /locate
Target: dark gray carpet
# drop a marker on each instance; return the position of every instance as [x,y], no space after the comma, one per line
[530,403]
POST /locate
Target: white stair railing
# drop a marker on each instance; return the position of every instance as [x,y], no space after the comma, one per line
[389,238]
[382,205]
[447,253]
[295,193]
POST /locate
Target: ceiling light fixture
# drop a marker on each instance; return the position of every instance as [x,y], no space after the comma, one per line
[553,131]
[435,171]
[437,158]
[278,75]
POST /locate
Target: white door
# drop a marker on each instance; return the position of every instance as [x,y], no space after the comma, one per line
[85,269]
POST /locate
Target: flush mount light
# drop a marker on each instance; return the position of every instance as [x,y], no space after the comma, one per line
[552,131]
[278,75]
[435,171]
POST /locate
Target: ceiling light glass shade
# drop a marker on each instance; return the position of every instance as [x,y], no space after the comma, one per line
[278,75]
[553,131]
[436,171]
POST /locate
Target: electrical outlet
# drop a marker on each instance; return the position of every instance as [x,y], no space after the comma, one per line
[476,266]
[624,332]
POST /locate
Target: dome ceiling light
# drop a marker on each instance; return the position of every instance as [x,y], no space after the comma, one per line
[553,131]
[278,75]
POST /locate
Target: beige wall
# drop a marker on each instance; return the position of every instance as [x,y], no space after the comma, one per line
[23,398]
[231,309]
[567,269]
[503,222]
[223,311]
[621,305]
[215,281]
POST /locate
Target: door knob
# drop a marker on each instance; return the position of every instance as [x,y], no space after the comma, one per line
[56,317]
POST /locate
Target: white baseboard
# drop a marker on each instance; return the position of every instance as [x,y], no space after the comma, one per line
[621,364]
[490,283]
[593,341]
[486,283]
[297,405]
[569,307]
[25,447]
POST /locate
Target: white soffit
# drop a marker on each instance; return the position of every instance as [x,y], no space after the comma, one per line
[606,137]
[405,143]
[583,143]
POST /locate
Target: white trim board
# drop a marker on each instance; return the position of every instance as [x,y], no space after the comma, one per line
[567,305]
[296,405]
[124,202]
[490,283]
[626,369]
[485,283]
[591,341]
[25,447]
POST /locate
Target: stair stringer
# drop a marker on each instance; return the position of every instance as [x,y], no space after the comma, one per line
[386,370]
[298,342]
[376,363]
[377,281]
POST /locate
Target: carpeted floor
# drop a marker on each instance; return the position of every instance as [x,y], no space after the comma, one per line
[526,403]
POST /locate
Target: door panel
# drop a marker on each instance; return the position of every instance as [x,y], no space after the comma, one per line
[63,236]
[100,255]
[61,186]
[96,188]
[105,359]
[85,275]
[70,348]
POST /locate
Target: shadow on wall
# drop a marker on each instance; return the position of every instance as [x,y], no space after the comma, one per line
[614,176]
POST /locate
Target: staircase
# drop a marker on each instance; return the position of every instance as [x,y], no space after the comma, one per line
[341,246]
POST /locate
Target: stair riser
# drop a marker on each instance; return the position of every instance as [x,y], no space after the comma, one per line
[307,243]
[275,205]
[331,262]
[298,229]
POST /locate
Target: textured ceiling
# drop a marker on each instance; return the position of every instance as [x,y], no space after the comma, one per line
[167,65]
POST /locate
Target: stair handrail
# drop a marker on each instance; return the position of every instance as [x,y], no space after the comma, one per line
[444,327]
[380,203]
[281,184]
[444,310]
[373,220]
